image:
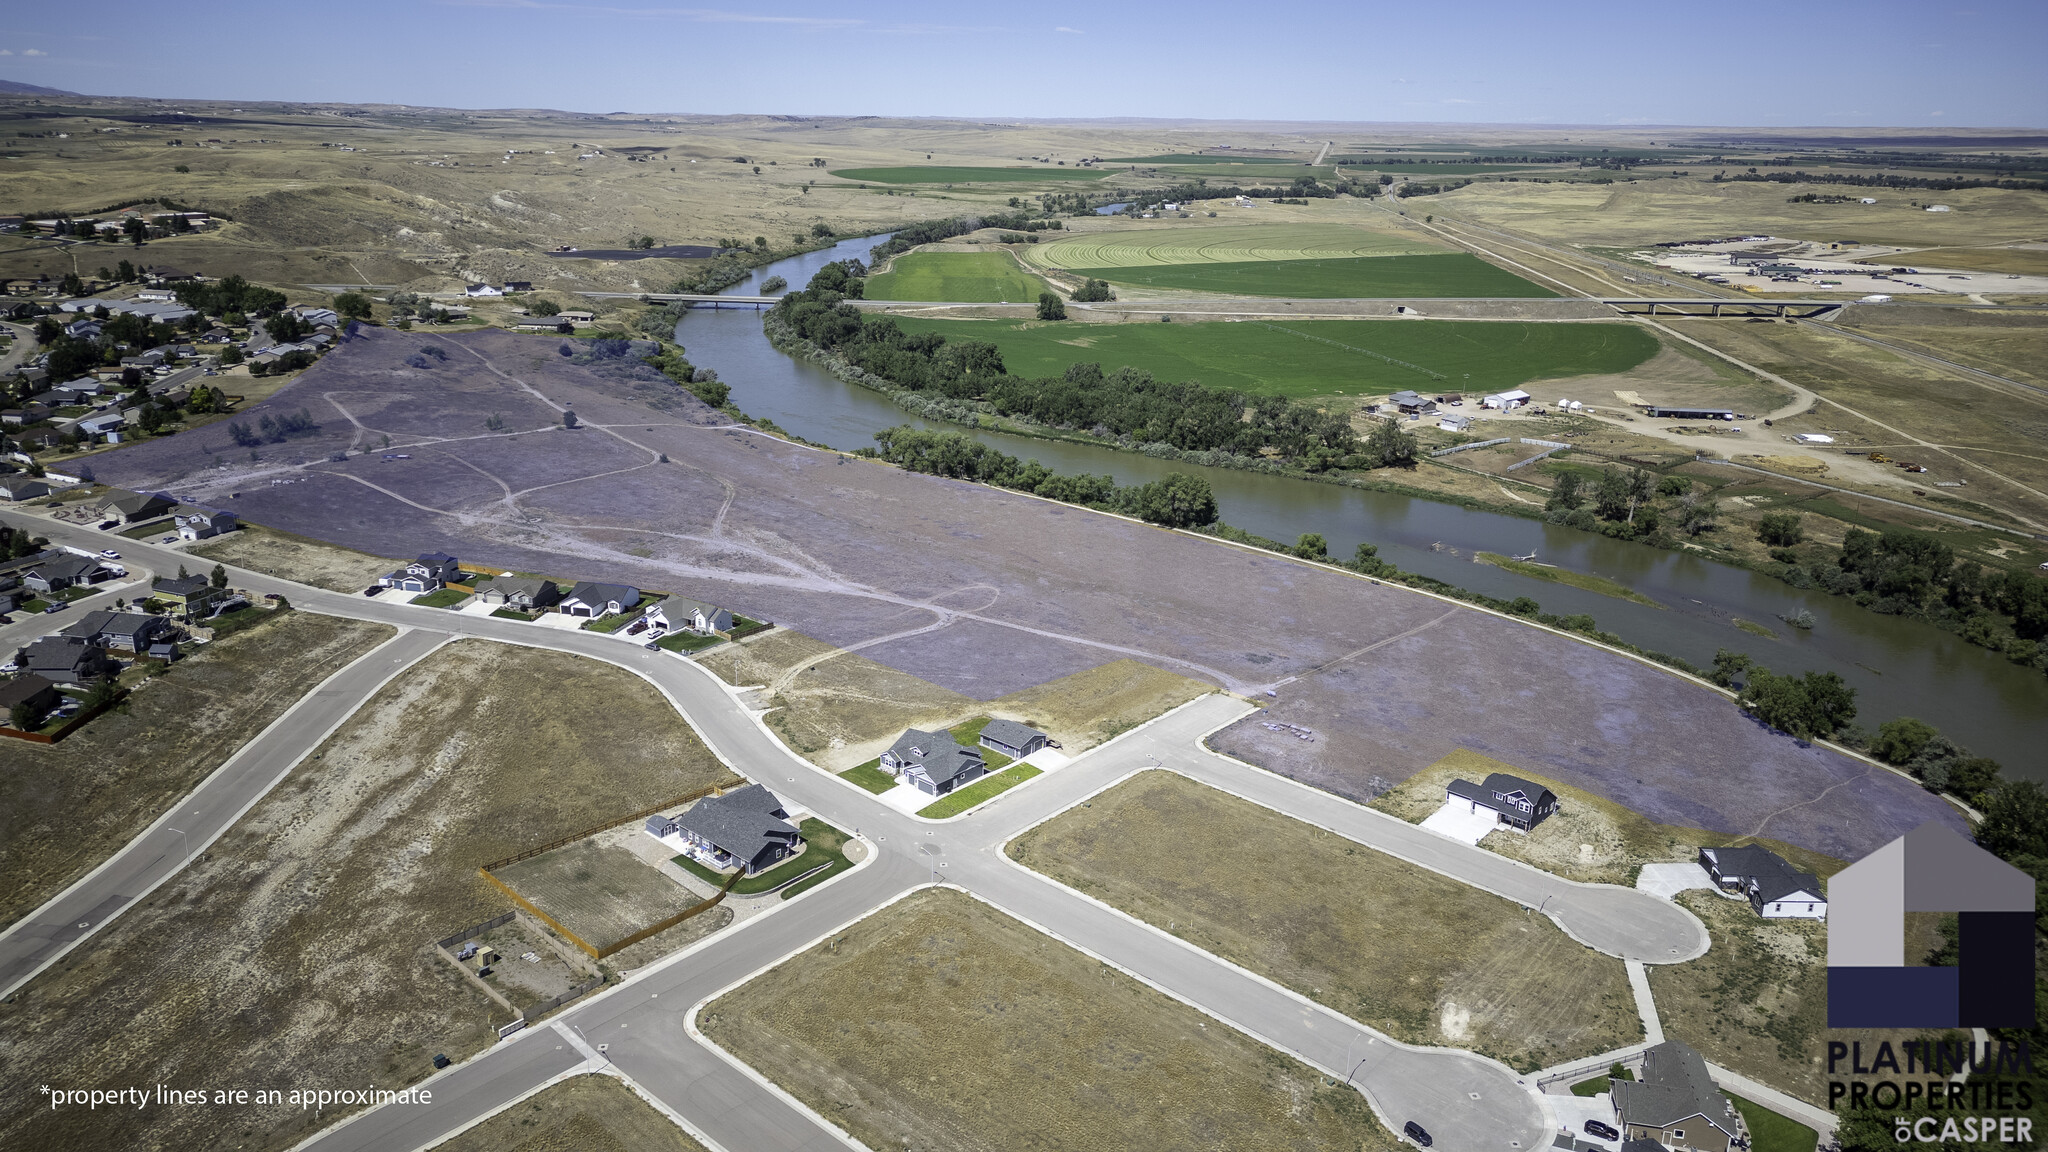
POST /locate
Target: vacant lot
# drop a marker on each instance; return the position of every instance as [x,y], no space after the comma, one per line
[2018,261]
[1590,838]
[1757,1001]
[297,558]
[1417,955]
[601,892]
[300,948]
[944,174]
[1449,274]
[581,1114]
[1095,705]
[941,1023]
[1236,243]
[1314,357]
[66,807]
[976,277]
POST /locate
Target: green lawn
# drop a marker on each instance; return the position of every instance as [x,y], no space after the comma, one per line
[967,277]
[1448,274]
[1771,1132]
[619,620]
[870,776]
[826,845]
[1314,358]
[742,627]
[1597,1084]
[942,174]
[150,530]
[688,642]
[957,802]
[512,614]
[441,598]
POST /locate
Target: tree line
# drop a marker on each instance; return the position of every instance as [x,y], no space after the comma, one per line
[1886,180]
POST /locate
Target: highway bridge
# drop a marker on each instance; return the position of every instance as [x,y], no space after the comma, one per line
[1714,305]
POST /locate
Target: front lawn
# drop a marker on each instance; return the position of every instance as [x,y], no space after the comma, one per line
[988,786]
[826,845]
[620,620]
[441,598]
[870,776]
[688,642]
[1773,1132]
[513,614]
[742,627]
[1599,1084]
[150,530]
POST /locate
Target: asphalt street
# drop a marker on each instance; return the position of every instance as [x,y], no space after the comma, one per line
[1465,1100]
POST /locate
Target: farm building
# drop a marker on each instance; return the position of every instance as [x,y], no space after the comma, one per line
[1455,423]
[1774,888]
[1506,401]
[933,762]
[747,828]
[1406,402]
[1665,413]
[1515,802]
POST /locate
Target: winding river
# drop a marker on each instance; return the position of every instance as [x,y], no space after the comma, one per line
[1898,667]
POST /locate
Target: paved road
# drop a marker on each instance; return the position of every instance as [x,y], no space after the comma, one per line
[1464,1100]
[28,626]
[38,940]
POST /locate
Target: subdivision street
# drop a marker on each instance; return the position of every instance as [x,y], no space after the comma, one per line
[1463,1099]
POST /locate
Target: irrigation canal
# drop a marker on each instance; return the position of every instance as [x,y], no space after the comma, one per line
[1898,667]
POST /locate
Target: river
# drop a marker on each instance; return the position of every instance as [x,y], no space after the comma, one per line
[1898,667]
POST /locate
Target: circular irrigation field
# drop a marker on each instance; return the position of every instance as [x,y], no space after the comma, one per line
[1258,242]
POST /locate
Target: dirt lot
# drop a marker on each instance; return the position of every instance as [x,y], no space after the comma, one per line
[66,807]
[300,947]
[1006,593]
[299,558]
[942,1021]
[1757,1001]
[1090,707]
[1589,838]
[582,1114]
[600,892]
[1417,955]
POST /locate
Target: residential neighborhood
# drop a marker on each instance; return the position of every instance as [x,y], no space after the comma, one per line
[1771,885]
[747,830]
[933,762]
[1515,803]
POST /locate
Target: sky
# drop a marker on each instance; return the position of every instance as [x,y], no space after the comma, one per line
[1733,63]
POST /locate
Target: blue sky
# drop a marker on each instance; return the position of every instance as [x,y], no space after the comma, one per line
[1470,61]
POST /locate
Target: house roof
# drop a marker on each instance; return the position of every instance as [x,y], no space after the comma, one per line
[129,503]
[686,606]
[61,653]
[62,566]
[591,592]
[436,559]
[202,512]
[1010,733]
[172,585]
[106,622]
[1675,1087]
[1504,784]
[741,822]
[1775,877]
[941,756]
[528,585]
[24,687]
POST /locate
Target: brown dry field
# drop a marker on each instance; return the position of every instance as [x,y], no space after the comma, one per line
[581,1114]
[2021,261]
[600,892]
[65,808]
[300,947]
[943,1021]
[1405,950]
[297,558]
[524,983]
[1757,1001]
[1621,841]
[2017,352]
[844,709]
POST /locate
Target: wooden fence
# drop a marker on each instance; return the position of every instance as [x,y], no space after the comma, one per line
[674,802]
[68,727]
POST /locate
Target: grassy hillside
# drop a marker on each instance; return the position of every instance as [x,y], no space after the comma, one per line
[1314,358]
[970,277]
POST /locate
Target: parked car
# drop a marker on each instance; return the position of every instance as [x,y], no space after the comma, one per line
[106,524]
[1417,1133]
[272,596]
[652,645]
[372,590]
[110,554]
[168,540]
[55,606]
[1603,1131]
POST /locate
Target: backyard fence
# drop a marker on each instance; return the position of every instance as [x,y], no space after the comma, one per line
[1469,447]
[677,801]
[1545,443]
[536,1011]
[475,930]
[68,727]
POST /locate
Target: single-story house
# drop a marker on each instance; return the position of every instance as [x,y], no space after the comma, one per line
[319,316]
[61,571]
[1407,402]
[187,596]
[525,593]
[72,390]
[696,615]
[66,660]
[592,599]
[1516,802]
[481,290]
[518,286]
[28,688]
[120,631]
[576,316]
[165,274]
[1455,423]
[1013,739]
[933,762]
[198,522]
[102,424]
[22,488]
[135,507]
[747,828]
[1774,887]
[1506,401]
[1676,1103]
[431,571]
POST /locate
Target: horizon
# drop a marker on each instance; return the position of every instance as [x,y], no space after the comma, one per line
[1501,66]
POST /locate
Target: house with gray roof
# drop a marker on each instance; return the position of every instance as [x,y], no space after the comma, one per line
[430,571]
[199,522]
[589,598]
[187,596]
[1676,1103]
[526,593]
[1013,739]
[28,688]
[60,570]
[1772,885]
[66,660]
[135,507]
[933,762]
[747,828]
[120,631]
[1517,803]
[22,488]
[696,615]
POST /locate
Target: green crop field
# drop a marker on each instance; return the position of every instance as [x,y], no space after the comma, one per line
[1235,244]
[1448,274]
[1222,158]
[946,175]
[1314,358]
[965,277]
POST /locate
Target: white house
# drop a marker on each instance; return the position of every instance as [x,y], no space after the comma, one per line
[1773,887]
[481,290]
